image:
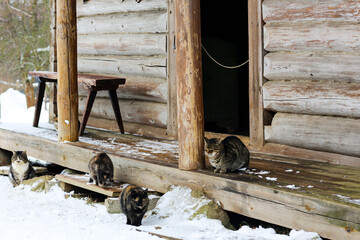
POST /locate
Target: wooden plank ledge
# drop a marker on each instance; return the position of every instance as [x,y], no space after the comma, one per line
[81,181]
[4,170]
[329,207]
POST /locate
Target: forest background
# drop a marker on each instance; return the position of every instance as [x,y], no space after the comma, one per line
[24,38]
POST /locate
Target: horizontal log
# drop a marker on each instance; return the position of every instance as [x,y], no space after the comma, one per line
[312,66]
[130,127]
[104,6]
[311,10]
[321,98]
[147,89]
[123,44]
[139,66]
[330,36]
[154,114]
[135,22]
[323,133]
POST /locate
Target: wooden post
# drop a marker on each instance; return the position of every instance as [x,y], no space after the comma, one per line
[67,96]
[190,115]
[256,73]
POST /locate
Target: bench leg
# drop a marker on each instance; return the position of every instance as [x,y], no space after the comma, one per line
[89,104]
[115,105]
[39,101]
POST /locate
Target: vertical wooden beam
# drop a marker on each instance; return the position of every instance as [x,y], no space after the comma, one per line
[190,110]
[66,38]
[256,55]
[172,126]
[53,63]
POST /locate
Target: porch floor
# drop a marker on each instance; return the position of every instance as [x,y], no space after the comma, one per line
[313,196]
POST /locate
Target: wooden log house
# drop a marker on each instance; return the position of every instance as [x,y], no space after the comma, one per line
[296,105]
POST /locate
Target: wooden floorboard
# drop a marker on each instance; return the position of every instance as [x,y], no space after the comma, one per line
[313,196]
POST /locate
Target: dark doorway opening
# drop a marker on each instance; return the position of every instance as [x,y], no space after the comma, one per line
[224,32]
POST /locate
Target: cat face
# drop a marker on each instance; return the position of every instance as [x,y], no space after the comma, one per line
[139,198]
[19,157]
[212,147]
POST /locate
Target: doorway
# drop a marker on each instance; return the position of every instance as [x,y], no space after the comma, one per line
[224,32]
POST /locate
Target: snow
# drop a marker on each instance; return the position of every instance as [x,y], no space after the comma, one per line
[38,215]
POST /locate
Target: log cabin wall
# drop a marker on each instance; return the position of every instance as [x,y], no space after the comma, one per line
[128,39]
[312,68]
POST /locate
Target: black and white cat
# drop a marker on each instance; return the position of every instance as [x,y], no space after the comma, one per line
[20,168]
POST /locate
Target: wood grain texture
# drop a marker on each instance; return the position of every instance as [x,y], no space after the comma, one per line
[134,22]
[256,55]
[67,94]
[149,113]
[311,10]
[172,126]
[323,133]
[321,98]
[137,88]
[242,193]
[139,66]
[122,44]
[105,7]
[328,36]
[190,107]
[332,66]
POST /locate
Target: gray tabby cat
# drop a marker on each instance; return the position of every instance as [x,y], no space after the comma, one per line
[20,168]
[229,154]
[101,169]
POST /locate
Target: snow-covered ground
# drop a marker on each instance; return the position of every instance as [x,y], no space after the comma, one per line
[37,215]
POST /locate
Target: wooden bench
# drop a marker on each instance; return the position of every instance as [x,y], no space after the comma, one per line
[93,83]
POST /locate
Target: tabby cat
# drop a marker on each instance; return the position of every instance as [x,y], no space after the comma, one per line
[101,169]
[134,202]
[20,168]
[229,154]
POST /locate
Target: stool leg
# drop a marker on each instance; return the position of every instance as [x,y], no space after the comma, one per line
[39,101]
[115,105]
[89,104]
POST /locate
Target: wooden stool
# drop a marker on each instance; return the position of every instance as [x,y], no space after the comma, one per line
[93,83]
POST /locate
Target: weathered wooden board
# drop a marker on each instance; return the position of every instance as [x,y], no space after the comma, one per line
[256,79]
[140,66]
[78,180]
[4,170]
[67,85]
[122,44]
[130,127]
[311,10]
[328,36]
[149,113]
[245,193]
[105,7]
[333,66]
[147,89]
[134,22]
[323,133]
[172,125]
[321,98]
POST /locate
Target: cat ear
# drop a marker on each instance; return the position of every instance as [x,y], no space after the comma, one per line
[205,141]
[146,190]
[14,152]
[24,152]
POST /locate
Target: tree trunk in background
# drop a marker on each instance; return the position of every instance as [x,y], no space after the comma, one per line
[30,94]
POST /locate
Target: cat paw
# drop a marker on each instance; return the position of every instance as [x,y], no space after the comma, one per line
[216,170]
[223,171]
